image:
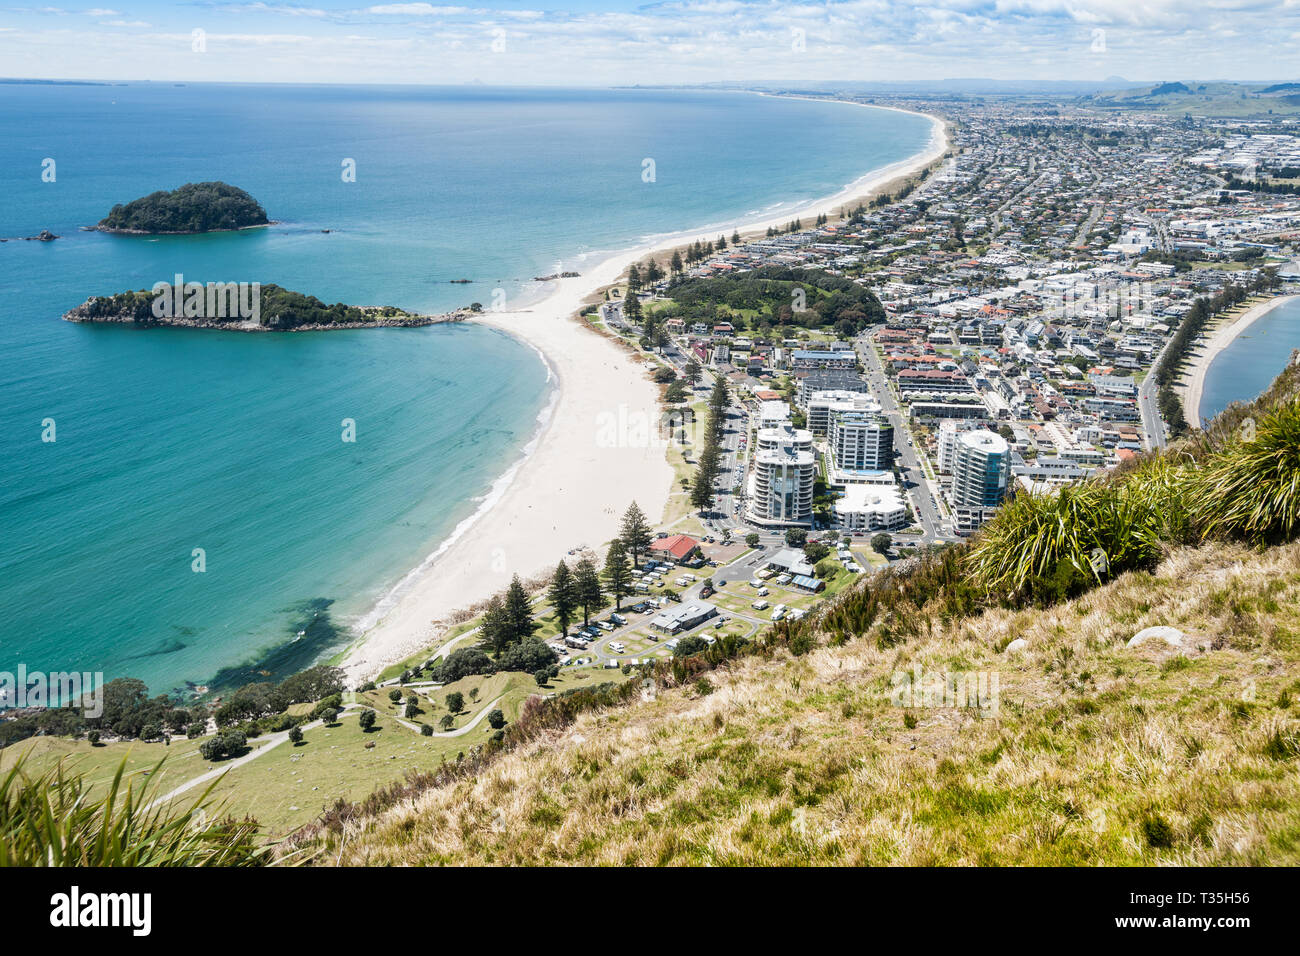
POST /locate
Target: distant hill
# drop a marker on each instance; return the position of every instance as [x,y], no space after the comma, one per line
[1215,99]
[192,208]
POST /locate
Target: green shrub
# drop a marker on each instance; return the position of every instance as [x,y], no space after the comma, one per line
[1250,490]
[1157,832]
[1282,743]
[1047,547]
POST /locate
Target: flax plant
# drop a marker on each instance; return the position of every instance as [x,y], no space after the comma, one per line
[1250,490]
[55,819]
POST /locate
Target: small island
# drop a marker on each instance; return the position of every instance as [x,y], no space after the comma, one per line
[189,210]
[244,307]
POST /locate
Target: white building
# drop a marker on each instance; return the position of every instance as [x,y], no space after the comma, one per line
[781,483]
[871,508]
[823,406]
[773,414]
[947,439]
[861,441]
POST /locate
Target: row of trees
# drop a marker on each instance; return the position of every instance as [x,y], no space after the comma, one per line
[710,462]
[650,272]
[1189,329]
[508,620]
[571,591]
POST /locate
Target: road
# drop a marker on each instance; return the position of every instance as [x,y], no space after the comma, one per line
[921,491]
[1153,426]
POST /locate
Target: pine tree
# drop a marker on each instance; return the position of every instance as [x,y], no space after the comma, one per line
[735,238]
[563,596]
[495,626]
[720,396]
[635,533]
[721,244]
[518,612]
[676,264]
[633,278]
[632,308]
[618,575]
[590,593]
[702,489]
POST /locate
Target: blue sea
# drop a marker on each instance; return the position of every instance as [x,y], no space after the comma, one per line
[1256,357]
[175,444]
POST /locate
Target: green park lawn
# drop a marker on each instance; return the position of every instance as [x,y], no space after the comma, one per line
[98,763]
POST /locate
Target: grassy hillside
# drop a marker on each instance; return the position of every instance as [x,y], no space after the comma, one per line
[1097,752]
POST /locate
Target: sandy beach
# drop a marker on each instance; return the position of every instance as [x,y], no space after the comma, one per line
[572,486]
[1220,340]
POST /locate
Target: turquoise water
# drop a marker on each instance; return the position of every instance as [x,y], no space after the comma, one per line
[174,440]
[1256,357]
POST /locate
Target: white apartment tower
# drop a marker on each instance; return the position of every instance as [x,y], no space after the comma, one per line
[781,483]
[862,441]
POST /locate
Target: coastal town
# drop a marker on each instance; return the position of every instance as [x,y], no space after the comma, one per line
[834,400]
[1031,284]
[1031,281]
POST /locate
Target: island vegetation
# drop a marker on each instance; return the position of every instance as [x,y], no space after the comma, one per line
[277,309]
[189,209]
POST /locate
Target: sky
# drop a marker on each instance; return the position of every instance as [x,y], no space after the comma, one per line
[619,42]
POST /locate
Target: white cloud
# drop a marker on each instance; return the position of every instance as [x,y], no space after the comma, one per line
[685,41]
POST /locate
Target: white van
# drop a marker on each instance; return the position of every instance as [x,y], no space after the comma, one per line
[759,605]
[778,612]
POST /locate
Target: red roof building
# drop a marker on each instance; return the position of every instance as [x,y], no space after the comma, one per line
[678,546]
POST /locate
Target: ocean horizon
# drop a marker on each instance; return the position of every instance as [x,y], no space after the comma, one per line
[175,442]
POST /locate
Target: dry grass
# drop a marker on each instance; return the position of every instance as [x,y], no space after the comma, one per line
[1099,754]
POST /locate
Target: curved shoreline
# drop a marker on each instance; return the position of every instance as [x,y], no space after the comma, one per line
[572,489]
[1220,340]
